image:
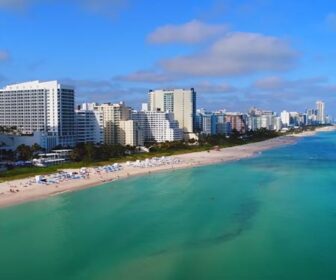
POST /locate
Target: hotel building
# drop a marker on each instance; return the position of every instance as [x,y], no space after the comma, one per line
[206,122]
[222,126]
[181,102]
[130,134]
[263,119]
[320,110]
[112,114]
[285,118]
[44,107]
[158,126]
[237,121]
[89,124]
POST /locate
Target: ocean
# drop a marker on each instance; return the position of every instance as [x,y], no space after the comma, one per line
[268,217]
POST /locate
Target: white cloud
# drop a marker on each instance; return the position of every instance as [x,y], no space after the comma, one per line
[4,55]
[15,4]
[191,32]
[107,7]
[277,83]
[236,54]
[270,83]
[146,77]
[331,21]
[210,87]
[89,90]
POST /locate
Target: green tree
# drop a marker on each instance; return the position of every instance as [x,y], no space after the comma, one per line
[24,152]
[36,148]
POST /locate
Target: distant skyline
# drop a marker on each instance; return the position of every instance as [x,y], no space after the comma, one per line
[236,54]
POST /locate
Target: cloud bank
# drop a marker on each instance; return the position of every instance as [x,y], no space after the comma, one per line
[108,7]
[236,54]
[190,33]
[331,21]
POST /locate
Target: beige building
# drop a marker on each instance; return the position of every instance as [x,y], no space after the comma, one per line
[181,102]
[113,114]
[130,134]
[320,108]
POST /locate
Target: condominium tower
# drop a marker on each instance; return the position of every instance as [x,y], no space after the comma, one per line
[158,126]
[181,102]
[35,106]
[237,121]
[321,117]
[112,115]
[285,118]
[89,124]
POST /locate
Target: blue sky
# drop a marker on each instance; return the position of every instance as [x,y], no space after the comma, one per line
[272,54]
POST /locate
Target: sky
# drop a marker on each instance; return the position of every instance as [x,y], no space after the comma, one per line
[276,55]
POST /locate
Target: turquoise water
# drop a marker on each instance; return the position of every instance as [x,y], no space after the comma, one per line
[270,217]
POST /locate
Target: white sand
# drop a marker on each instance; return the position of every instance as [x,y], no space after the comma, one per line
[19,191]
[311,133]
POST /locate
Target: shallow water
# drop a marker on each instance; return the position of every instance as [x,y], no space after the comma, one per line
[269,217]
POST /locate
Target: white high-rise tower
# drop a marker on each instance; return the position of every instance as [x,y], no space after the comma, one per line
[46,107]
[321,117]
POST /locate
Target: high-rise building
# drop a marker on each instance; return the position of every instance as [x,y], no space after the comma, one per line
[89,124]
[112,115]
[237,121]
[261,119]
[131,134]
[277,125]
[181,102]
[285,118]
[222,126]
[320,107]
[311,116]
[296,119]
[206,122]
[144,107]
[158,126]
[35,106]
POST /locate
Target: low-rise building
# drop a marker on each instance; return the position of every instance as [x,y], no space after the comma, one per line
[45,140]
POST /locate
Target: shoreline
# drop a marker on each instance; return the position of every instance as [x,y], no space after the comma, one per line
[25,190]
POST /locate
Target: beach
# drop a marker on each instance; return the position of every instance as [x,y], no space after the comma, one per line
[20,191]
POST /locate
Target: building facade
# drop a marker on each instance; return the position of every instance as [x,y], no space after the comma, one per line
[206,122]
[222,126]
[320,112]
[131,134]
[181,102]
[285,118]
[46,107]
[89,124]
[112,114]
[237,121]
[259,119]
[158,126]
